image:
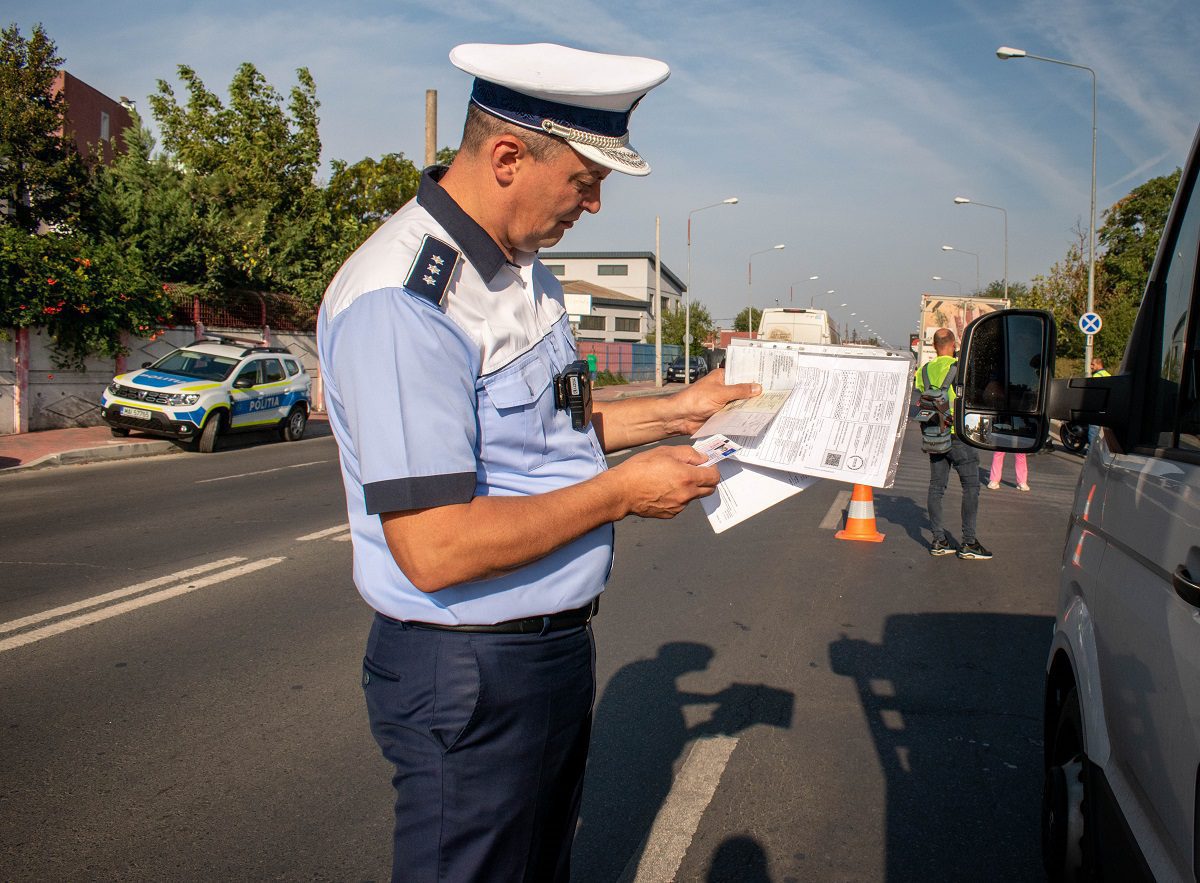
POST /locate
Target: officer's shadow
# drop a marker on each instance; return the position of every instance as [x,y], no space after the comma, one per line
[638,734]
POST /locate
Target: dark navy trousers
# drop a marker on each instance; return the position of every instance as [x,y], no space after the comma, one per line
[489,736]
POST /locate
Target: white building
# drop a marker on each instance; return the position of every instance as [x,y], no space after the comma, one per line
[628,273]
[602,314]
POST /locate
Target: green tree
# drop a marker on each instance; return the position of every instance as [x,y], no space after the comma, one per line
[739,322]
[1016,290]
[369,191]
[250,169]
[140,202]
[41,174]
[674,322]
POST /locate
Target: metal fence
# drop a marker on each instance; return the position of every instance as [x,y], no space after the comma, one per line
[633,361]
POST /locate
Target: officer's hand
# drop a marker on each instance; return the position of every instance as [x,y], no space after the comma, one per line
[660,482]
[705,397]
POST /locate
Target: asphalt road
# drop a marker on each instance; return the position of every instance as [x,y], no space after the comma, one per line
[773,704]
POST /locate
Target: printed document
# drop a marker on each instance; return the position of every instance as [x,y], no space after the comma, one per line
[844,414]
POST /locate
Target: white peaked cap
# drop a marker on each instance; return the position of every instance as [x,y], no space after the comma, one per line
[585,98]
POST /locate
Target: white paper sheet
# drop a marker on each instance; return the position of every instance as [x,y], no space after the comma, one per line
[844,417]
[744,491]
[745,416]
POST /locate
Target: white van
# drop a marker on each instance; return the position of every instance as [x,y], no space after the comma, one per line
[797,326]
[1122,698]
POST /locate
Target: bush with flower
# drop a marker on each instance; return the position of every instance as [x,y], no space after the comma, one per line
[83,293]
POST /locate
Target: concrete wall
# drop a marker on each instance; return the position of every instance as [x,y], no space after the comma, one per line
[35,395]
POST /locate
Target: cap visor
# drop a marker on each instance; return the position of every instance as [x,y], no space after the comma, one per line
[619,159]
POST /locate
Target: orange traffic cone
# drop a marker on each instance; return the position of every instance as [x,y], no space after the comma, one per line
[860,518]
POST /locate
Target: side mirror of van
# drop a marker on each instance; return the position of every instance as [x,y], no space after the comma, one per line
[1005,367]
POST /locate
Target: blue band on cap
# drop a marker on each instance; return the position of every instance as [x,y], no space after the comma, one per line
[529,112]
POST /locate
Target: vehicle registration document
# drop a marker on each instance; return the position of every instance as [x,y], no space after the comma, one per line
[830,412]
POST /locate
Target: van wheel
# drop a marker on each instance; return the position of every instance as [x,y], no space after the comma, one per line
[119,432]
[293,428]
[206,443]
[1067,849]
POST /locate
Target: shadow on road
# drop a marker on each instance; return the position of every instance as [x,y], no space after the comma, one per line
[958,734]
[639,732]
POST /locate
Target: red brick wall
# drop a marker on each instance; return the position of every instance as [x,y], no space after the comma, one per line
[83,116]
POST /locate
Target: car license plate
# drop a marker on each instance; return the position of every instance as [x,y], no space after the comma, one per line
[139,413]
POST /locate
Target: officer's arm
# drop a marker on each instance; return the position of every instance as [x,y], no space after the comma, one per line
[638,421]
[448,545]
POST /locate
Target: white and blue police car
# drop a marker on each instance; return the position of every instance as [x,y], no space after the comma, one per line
[213,386]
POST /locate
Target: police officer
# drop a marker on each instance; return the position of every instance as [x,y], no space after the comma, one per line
[481,507]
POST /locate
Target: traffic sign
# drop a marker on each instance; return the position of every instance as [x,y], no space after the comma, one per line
[1089,323]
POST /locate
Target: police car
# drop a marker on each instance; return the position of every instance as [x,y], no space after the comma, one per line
[213,386]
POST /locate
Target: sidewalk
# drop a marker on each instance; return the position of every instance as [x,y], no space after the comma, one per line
[91,444]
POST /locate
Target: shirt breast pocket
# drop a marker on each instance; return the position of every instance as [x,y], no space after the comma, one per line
[512,420]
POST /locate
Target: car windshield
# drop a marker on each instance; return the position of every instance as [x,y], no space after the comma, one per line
[202,366]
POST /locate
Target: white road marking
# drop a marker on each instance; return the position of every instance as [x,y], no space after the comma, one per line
[98,600]
[262,471]
[833,518]
[341,538]
[321,534]
[104,613]
[677,821]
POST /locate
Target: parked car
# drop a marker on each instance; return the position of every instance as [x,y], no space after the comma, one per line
[697,367]
[1122,691]
[213,386]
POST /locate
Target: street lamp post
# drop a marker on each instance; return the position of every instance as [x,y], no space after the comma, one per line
[750,286]
[943,279]
[962,200]
[1006,52]
[687,309]
[815,296]
[964,251]
[792,288]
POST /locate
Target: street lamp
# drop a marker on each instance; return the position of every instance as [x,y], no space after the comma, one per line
[687,309]
[955,281]
[792,288]
[962,200]
[1006,52]
[750,286]
[815,296]
[964,251]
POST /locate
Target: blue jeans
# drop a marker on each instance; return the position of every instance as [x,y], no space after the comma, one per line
[489,736]
[965,461]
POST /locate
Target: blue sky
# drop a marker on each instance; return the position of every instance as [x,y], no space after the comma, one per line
[845,128]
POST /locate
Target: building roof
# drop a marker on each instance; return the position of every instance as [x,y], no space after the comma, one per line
[602,294]
[547,257]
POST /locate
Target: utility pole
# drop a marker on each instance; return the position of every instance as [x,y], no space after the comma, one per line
[430,127]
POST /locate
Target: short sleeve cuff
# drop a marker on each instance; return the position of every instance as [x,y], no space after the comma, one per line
[419,492]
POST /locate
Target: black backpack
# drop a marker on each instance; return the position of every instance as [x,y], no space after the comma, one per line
[934,412]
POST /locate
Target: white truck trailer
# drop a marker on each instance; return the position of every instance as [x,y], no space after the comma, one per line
[955,313]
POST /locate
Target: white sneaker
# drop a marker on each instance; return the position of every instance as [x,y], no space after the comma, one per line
[1022,487]
[995,485]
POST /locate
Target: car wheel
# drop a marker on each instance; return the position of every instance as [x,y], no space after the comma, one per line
[1073,436]
[293,427]
[119,432]
[1067,847]
[206,442]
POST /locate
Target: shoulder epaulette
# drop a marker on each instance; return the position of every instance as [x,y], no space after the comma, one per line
[432,269]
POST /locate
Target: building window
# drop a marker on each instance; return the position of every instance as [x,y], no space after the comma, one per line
[103,126]
[634,325]
[612,269]
[591,323]
[557,269]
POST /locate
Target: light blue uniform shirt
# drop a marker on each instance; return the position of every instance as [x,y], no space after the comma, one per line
[437,356]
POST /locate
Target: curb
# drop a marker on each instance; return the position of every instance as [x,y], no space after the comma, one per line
[79,456]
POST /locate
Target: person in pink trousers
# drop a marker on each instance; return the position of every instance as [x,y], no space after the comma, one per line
[998,468]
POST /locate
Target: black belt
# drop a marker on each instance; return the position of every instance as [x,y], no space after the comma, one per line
[532,625]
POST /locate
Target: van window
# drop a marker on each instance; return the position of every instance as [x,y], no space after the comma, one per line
[1172,400]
